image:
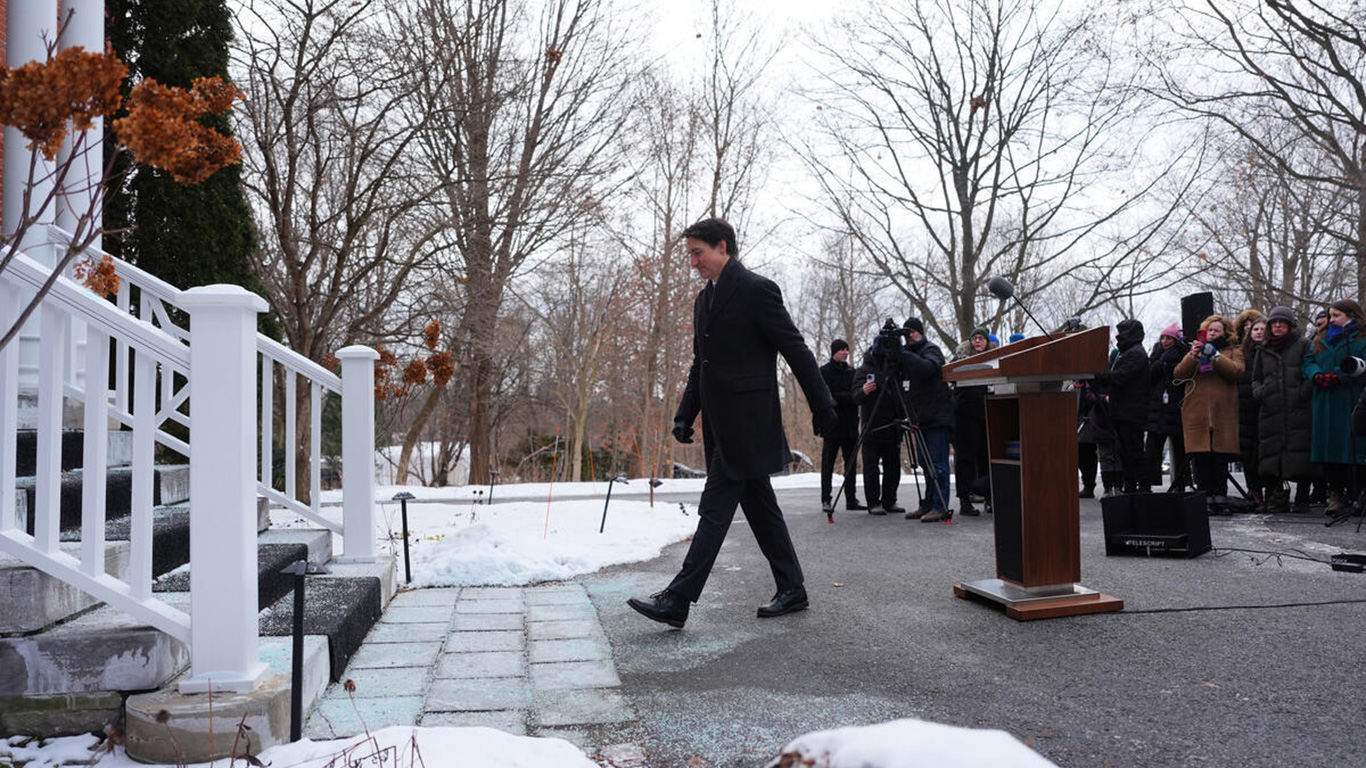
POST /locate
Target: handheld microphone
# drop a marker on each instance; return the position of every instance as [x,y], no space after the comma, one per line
[1003,289]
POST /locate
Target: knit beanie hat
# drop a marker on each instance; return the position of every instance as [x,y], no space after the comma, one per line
[982,331]
[914,324]
[837,345]
[1284,314]
[1014,337]
[1173,331]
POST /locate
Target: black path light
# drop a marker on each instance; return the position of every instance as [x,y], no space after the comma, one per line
[300,570]
[493,480]
[402,498]
[618,479]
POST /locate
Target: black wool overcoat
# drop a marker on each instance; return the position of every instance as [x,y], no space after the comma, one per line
[740,326]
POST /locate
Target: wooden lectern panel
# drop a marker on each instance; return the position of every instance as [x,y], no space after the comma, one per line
[1034,498]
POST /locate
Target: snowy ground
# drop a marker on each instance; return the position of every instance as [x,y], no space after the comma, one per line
[531,532]
[897,744]
[458,542]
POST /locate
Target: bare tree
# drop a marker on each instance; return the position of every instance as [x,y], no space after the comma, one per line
[1268,238]
[521,147]
[1288,80]
[327,167]
[842,296]
[968,138]
[327,171]
[579,301]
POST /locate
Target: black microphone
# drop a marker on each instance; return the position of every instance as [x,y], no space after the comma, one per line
[1003,289]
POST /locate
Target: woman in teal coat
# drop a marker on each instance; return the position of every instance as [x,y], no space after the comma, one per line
[1335,393]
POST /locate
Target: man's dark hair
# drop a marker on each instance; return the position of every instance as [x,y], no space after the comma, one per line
[713,231]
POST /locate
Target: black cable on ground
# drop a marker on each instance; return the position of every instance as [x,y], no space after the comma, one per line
[1226,551]
[1196,608]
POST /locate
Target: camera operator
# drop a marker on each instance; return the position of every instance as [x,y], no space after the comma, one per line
[839,378]
[922,371]
[880,406]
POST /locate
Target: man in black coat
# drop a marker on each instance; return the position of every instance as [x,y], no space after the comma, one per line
[839,379]
[883,414]
[1125,388]
[740,328]
[931,409]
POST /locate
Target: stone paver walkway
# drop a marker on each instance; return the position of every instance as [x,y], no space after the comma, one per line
[528,661]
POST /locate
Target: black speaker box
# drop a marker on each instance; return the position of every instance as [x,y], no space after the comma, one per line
[1194,309]
[1166,524]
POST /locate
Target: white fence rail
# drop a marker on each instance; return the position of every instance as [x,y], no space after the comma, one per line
[149,356]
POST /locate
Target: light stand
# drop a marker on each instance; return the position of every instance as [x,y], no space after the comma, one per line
[618,479]
[402,498]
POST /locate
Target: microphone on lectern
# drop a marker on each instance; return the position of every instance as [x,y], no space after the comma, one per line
[1003,289]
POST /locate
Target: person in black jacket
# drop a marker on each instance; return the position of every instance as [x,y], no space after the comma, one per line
[839,379]
[1125,388]
[931,405]
[1164,409]
[740,328]
[970,460]
[881,409]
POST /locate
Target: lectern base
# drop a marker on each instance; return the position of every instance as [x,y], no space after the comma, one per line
[1050,602]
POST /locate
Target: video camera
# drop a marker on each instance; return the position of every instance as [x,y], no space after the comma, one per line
[888,338]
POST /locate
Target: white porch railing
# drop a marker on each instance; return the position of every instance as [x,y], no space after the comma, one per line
[160,369]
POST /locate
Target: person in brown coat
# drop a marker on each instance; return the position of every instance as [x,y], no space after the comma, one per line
[1209,413]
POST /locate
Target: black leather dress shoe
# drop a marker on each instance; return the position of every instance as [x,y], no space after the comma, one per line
[854,506]
[787,601]
[664,607]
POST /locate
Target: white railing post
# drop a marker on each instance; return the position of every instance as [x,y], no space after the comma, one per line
[358,451]
[223,592]
[28,24]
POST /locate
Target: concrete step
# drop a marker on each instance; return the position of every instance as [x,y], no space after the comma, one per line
[41,601]
[73,450]
[97,652]
[34,601]
[199,728]
[170,485]
[343,608]
[274,551]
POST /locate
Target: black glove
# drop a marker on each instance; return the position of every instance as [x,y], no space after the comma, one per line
[816,424]
[682,431]
[826,421]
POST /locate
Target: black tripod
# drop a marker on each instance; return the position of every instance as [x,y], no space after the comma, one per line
[905,420]
[1216,505]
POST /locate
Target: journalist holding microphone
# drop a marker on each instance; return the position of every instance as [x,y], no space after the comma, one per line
[1334,365]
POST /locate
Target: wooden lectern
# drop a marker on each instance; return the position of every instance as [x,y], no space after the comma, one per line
[1034,490]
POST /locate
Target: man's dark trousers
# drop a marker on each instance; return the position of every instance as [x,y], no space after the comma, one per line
[715,511]
[844,443]
[882,446]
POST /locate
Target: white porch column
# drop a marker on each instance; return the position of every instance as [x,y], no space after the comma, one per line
[84,27]
[223,622]
[358,451]
[27,22]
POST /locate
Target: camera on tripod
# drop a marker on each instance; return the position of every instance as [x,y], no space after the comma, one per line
[888,338]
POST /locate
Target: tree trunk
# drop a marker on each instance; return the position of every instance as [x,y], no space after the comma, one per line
[414,431]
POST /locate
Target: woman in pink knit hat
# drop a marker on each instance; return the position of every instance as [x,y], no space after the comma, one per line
[1164,409]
